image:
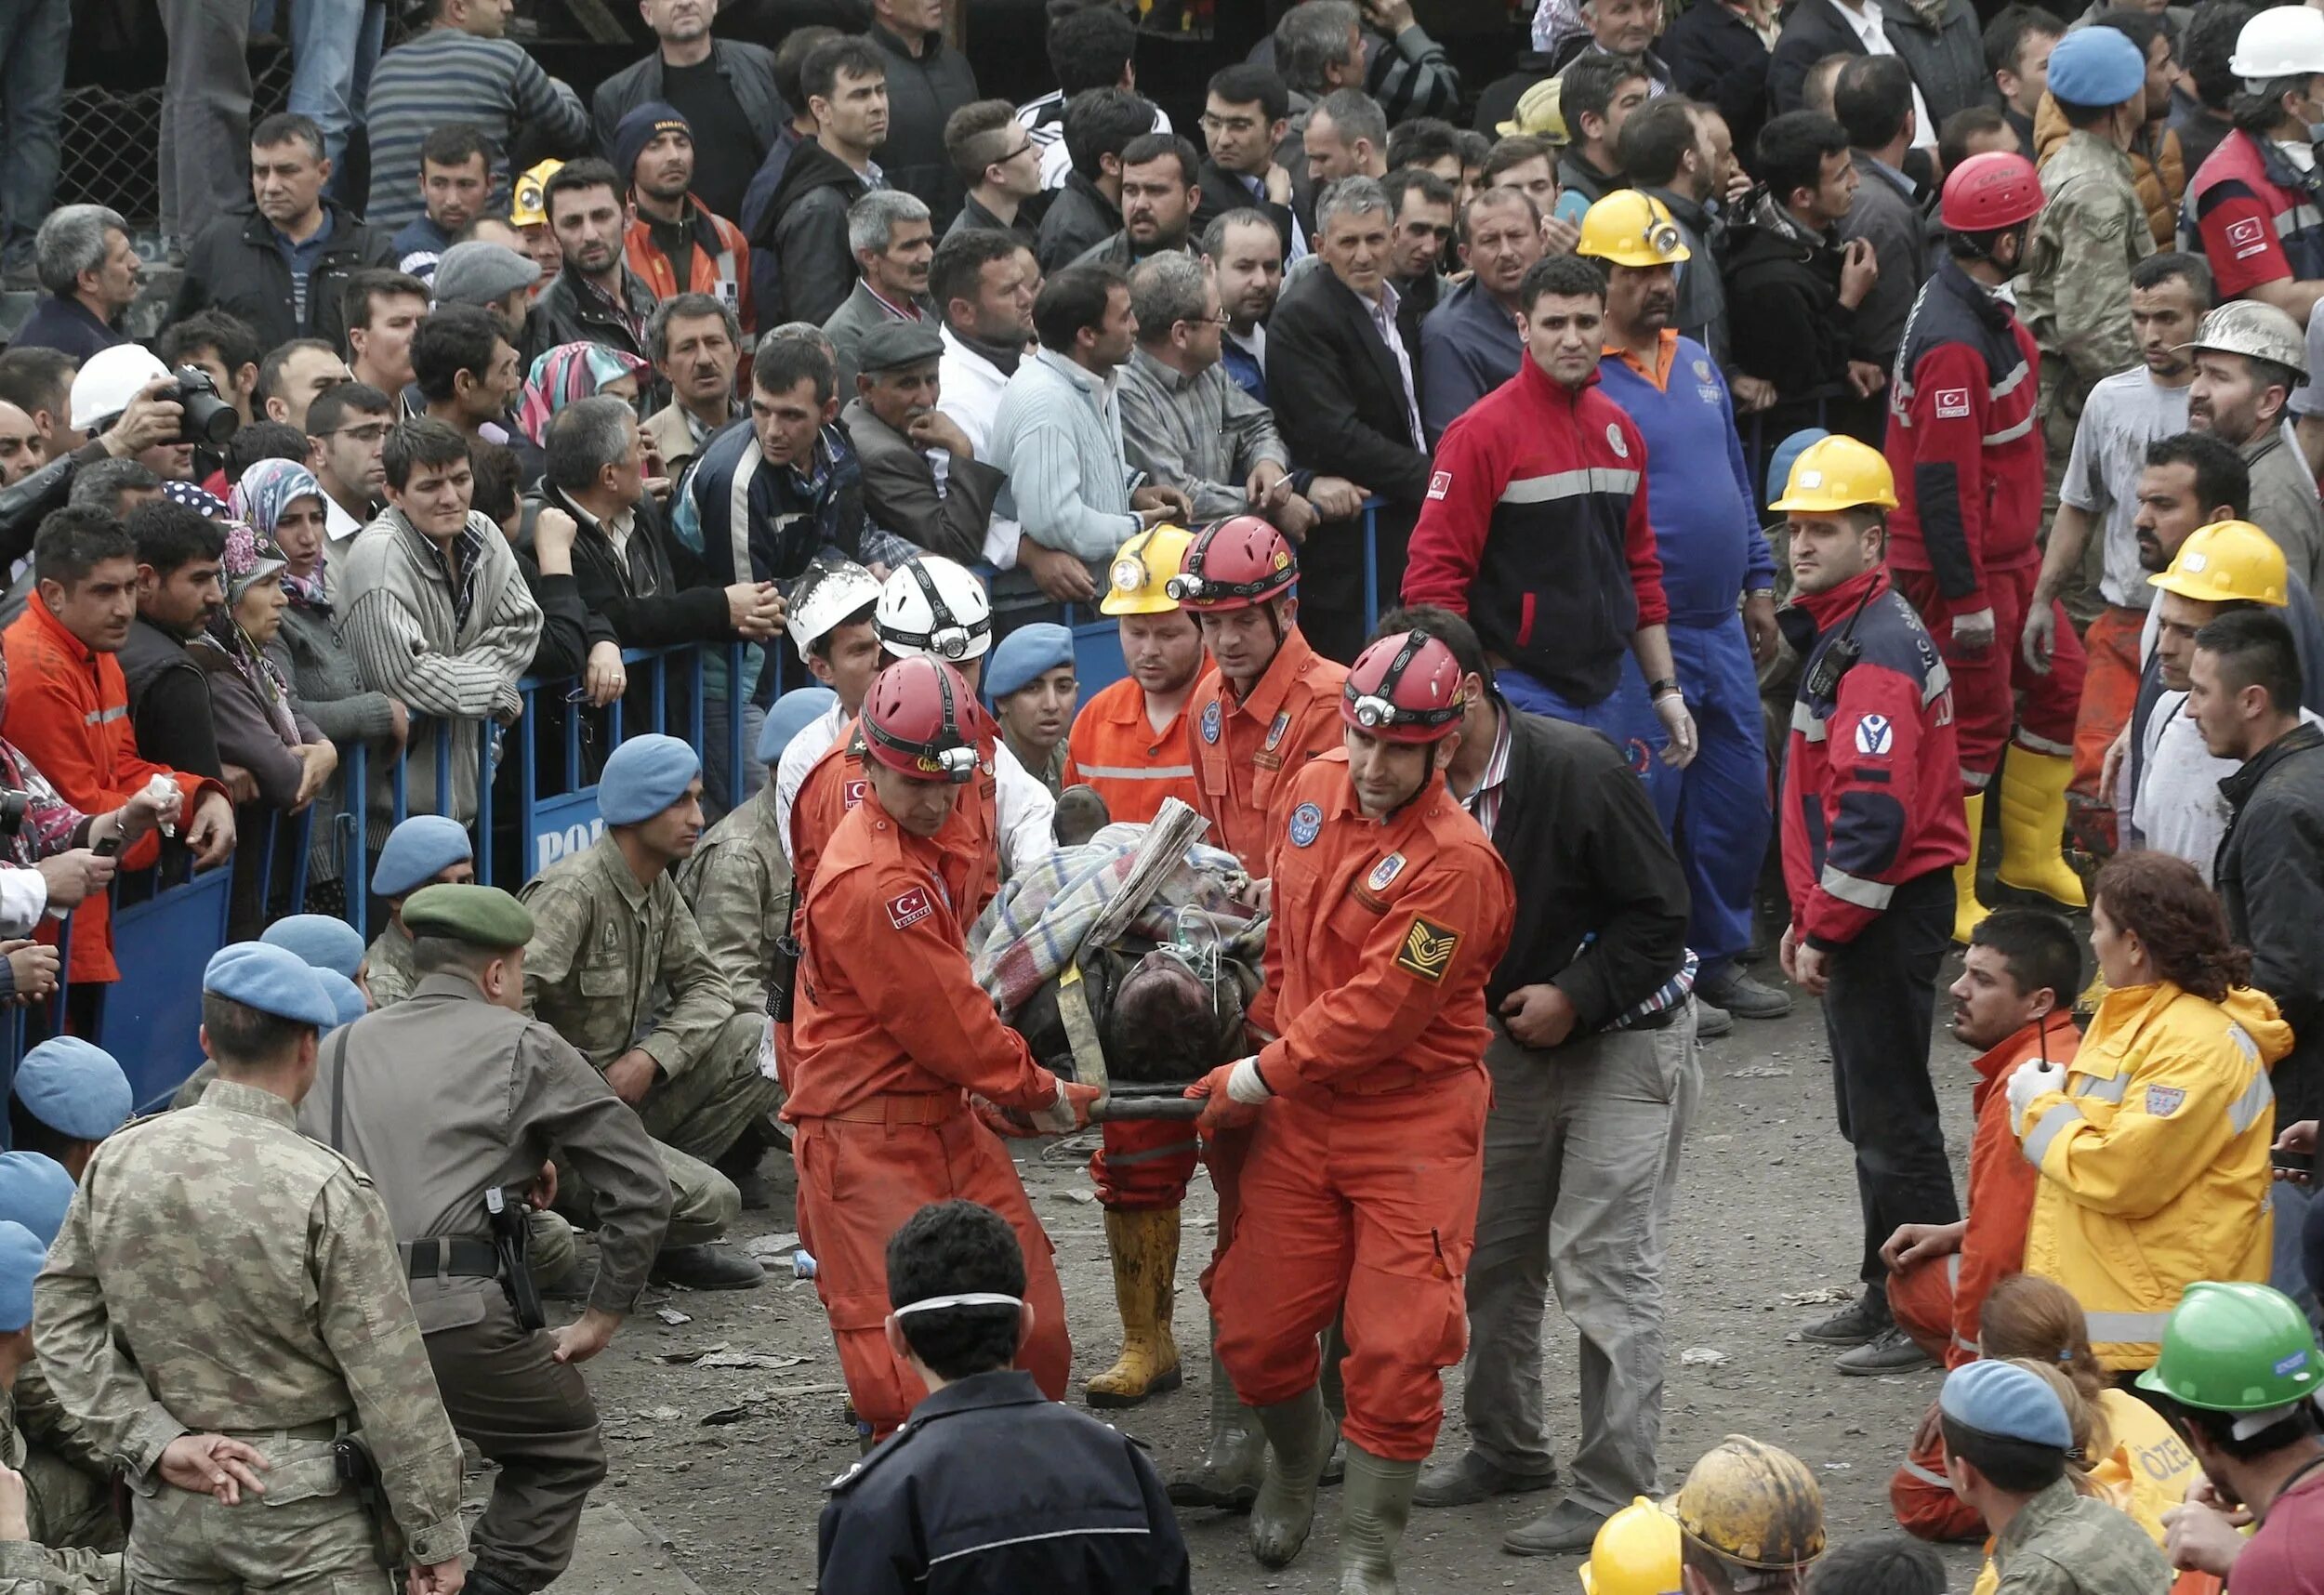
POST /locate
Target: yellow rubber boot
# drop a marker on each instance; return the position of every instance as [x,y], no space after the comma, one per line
[2033,827]
[1146,1269]
[1967,912]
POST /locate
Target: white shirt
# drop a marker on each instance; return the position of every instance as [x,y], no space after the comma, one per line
[1874,38]
[968,389]
[800,754]
[2179,809]
[1384,322]
[23,899]
[1044,121]
[338,531]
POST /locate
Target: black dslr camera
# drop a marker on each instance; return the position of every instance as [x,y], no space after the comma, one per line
[208,419]
[14,805]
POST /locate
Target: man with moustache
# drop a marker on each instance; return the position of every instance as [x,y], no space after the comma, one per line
[1471,344]
[1158,199]
[922,479]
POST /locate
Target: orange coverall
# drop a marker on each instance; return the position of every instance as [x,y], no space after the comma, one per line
[1360,1188]
[889,1035]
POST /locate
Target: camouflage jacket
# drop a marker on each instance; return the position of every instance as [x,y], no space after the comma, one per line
[2067,1544]
[74,1568]
[2074,295]
[387,972]
[220,1272]
[739,885]
[603,946]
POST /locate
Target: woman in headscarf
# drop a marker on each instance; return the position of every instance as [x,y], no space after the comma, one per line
[573,371]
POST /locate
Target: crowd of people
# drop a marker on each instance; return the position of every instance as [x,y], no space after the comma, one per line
[1865,449]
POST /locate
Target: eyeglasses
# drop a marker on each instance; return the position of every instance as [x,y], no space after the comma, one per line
[1228,124]
[375,432]
[1220,320]
[1025,149]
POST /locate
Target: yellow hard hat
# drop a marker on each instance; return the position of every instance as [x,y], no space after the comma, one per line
[1838,473]
[1636,1553]
[2225,560]
[526,206]
[1540,115]
[1630,228]
[1751,1503]
[1141,569]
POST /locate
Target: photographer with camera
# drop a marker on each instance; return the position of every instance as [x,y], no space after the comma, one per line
[145,417]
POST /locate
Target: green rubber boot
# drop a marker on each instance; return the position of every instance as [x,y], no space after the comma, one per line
[1375,1504]
[1298,1438]
[1229,1473]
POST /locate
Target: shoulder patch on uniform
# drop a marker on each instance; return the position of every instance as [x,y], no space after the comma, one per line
[852,792]
[1386,871]
[1428,949]
[1952,404]
[1210,721]
[1276,728]
[1307,824]
[909,908]
[1875,736]
[1614,440]
[2163,1101]
[1440,484]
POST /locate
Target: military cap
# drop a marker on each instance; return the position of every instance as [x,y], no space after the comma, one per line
[34,1192]
[2007,1402]
[74,1088]
[22,1256]
[272,980]
[480,915]
[1025,655]
[417,852]
[645,776]
[894,344]
[2096,66]
[321,940]
[791,714]
[346,995]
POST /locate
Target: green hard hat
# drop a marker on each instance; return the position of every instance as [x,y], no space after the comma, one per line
[2236,1348]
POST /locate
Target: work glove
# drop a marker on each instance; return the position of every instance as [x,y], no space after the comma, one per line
[1069,1112]
[1231,1094]
[1973,631]
[1679,721]
[2033,1078]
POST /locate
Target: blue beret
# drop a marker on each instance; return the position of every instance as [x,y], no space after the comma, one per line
[74,1089]
[1779,464]
[2096,66]
[22,1256]
[34,1192]
[645,776]
[792,713]
[2007,1402]
[417,850]
[272,981]
[346,995]
[322,941]
[1019,657]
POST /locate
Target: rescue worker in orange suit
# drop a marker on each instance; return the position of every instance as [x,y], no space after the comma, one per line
[1967,459]
[2017,982]
[1360,1188]
[891,1037]
[1128,746]
[1268,704]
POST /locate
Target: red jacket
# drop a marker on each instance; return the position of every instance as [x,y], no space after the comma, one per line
[1535,527]
[1961,441]
[1872,779]
[2001,1183]
[721,262]
[1245,752]
[68,711]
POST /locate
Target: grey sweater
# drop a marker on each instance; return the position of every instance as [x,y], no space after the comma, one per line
[309,651]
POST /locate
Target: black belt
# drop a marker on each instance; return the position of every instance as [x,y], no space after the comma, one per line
[426,1259]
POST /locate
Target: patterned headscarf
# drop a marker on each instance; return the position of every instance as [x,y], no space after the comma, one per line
[568,372]
[199,500]
[265,491]
[251,558]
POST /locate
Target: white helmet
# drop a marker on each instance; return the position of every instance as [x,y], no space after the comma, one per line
[111,377]
[931,607]
[2283,41]
[827,593]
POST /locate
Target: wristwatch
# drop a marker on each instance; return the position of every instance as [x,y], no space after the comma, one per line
[1654,688]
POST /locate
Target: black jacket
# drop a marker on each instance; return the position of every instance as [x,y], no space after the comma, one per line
[170,701]
[972,215]
[564,313]
[1948,63]
[1602,901]
[1079,218]
[988,1486]
[806,229]
[924,92]
[232,264]
[748,69]
[1785,324]
[661,595]
[1718,59]
[25,504]
[1223,192]
[2270,874]
[1496,101]
[1336,394]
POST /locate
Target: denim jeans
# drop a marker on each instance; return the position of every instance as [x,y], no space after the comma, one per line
[335,44]
[33,34]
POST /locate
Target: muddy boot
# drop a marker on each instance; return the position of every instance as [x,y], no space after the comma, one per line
[1335,1391]
[1298,1438]
[1229,1473]
[1145,1267]
[1373,1510]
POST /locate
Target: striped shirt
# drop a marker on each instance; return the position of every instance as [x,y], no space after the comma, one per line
[448,75]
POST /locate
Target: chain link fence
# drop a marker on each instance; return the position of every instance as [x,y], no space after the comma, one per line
[110,140]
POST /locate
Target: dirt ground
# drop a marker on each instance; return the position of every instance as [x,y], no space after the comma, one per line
[730,1461]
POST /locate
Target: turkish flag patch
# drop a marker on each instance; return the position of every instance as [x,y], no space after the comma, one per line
[1440,484]
[852,792]
[907,909]
[2250,231]
[1952,404]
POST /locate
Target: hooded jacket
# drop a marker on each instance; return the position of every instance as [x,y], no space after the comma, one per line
[806,231]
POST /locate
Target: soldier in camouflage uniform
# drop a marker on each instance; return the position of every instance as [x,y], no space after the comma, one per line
[68,1485]
[51,1520]
[423,850]
[453,1092]
[226,1299]
[617,966]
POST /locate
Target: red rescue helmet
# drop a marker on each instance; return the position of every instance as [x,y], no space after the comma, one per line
[1234,563]
[1989,192]
[1404,688]
[921,717]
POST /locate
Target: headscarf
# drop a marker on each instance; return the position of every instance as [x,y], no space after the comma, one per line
[265,491]
[251,558]
[1554,21]
[568,372]
[199,499]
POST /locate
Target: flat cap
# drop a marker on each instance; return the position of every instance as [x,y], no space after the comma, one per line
[480,272]
[2007,1402]
[1019,658]
[323,941]
[272,980]
[22,1255]
[645,776]
[346,995]
[480,915]
[791,714]
[2096,66]
[34,1192]
[891,344]
[74,1088]
[417,852]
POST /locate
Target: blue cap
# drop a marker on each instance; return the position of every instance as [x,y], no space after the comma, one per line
[22,1256]
[346,995]
[323,941]
[2096,66]
[791,714]
[2007,1402]
[34,1192]
[417,850]
[1786,454]
[645,776]
[76,1089]
[1019,658]
[272,981]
